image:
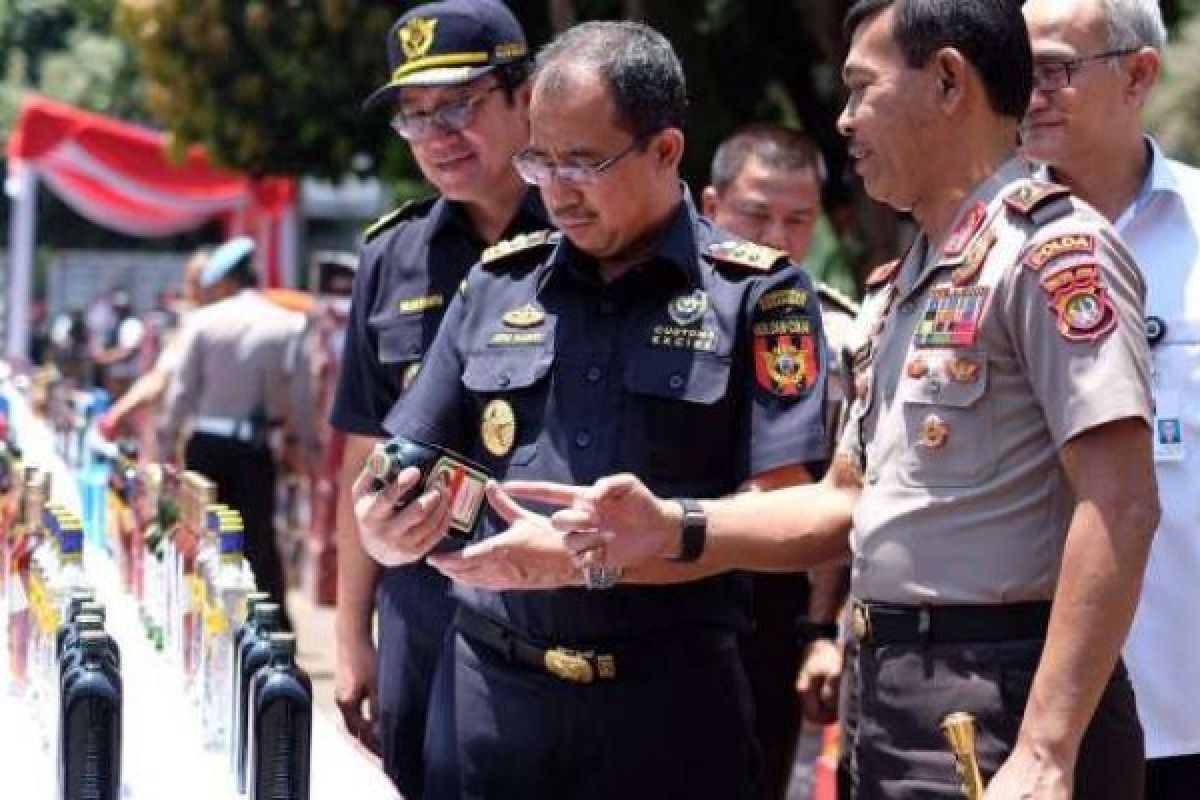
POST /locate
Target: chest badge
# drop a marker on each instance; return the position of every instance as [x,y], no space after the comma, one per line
[498,428]
[527,316]
[688,309]
[952,317]
[934,433]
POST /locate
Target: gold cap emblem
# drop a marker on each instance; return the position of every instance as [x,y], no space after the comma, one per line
[416,37]
[498,428]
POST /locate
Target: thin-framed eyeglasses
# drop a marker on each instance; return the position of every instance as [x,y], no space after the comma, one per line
[1050,75]
[451,117]
[537,170]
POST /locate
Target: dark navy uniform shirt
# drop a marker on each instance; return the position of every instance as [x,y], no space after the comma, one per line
[407,275]
[692,371]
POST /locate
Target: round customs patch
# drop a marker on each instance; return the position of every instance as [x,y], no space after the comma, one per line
[498,428]
[687,309]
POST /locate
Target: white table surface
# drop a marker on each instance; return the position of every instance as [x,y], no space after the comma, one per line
[162,755]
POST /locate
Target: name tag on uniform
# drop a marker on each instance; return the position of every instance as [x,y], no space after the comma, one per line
[1168,428]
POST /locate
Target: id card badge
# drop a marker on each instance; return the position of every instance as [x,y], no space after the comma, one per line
[1169,444]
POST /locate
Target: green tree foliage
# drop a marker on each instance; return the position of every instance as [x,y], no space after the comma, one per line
[1174,112]
[268,87]
[66,49]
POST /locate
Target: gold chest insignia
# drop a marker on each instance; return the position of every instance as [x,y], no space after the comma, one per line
[498,428]
[527,316]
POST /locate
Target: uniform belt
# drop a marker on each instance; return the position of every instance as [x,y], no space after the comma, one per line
[884,623]
[240,429]
[579,665]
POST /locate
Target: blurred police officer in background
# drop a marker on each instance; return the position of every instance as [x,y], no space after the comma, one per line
[641,338]
[457,93]
[766,186]
[996,467]
[240,376]
[1095,65]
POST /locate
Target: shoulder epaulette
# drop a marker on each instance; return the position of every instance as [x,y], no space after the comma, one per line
[757,257]
[392,217]
[883,274]
[520,243]
[837,298]
[1032,195]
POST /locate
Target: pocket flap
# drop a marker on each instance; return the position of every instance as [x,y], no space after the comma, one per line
[499,372]
[691,377]
[958,382]
[400,341]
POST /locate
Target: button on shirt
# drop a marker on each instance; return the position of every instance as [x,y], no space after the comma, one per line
[654,373]
[972,389]
[407,276]
[1162,228]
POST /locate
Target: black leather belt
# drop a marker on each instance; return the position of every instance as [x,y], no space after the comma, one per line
[579,665]
[884,623]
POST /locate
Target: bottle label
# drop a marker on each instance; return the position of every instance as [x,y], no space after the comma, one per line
[465,486]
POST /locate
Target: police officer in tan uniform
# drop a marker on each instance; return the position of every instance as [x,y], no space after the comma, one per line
[239,376]
[995,477]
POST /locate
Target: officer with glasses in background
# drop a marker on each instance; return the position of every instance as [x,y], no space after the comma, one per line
[459,94]
[640,338]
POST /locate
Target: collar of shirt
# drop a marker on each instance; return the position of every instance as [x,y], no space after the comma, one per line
[917,269]
[531,215]
[1160,180]
[678,246]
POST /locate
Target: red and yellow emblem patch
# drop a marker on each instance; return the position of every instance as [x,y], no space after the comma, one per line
[787,366]
[1080,303]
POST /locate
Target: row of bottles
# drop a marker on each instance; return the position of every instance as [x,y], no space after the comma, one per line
[196,595]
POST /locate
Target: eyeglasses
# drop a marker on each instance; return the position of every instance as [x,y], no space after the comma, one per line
[1053,75]
[537,170]
[451,117]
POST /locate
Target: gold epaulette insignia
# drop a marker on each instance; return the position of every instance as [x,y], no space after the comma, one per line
[837,298]
[883,274]
[392,217]
[746,254]
[1032,195]
[518,244]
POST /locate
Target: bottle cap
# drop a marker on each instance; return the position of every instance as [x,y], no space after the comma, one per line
[283,643]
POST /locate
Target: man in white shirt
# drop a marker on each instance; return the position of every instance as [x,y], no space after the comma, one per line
[1096,62]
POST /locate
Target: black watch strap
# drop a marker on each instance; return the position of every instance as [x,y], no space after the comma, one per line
[694,533]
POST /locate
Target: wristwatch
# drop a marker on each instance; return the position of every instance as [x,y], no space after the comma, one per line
[694,533]
[601,577]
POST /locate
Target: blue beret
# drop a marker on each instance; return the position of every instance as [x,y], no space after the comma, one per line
[225,259]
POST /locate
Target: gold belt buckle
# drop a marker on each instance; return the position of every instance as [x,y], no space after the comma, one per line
[569,665]
[860,621]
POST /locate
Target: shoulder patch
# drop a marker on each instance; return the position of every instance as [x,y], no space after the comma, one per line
[409,209]
[756,257]
[883,274]
[518,244]
[1059,247]
[837,298]
[1032,195]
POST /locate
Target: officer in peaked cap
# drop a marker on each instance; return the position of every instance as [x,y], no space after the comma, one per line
[641,338]
[240,373]
[457,92]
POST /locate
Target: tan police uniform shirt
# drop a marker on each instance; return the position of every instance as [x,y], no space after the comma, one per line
[987,354]
[237,355]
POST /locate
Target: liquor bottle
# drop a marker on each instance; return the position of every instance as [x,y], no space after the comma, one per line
[247,626]
[463,480]
[90,744]
[280,729]
[228,585]
[20,604]
[255,650]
